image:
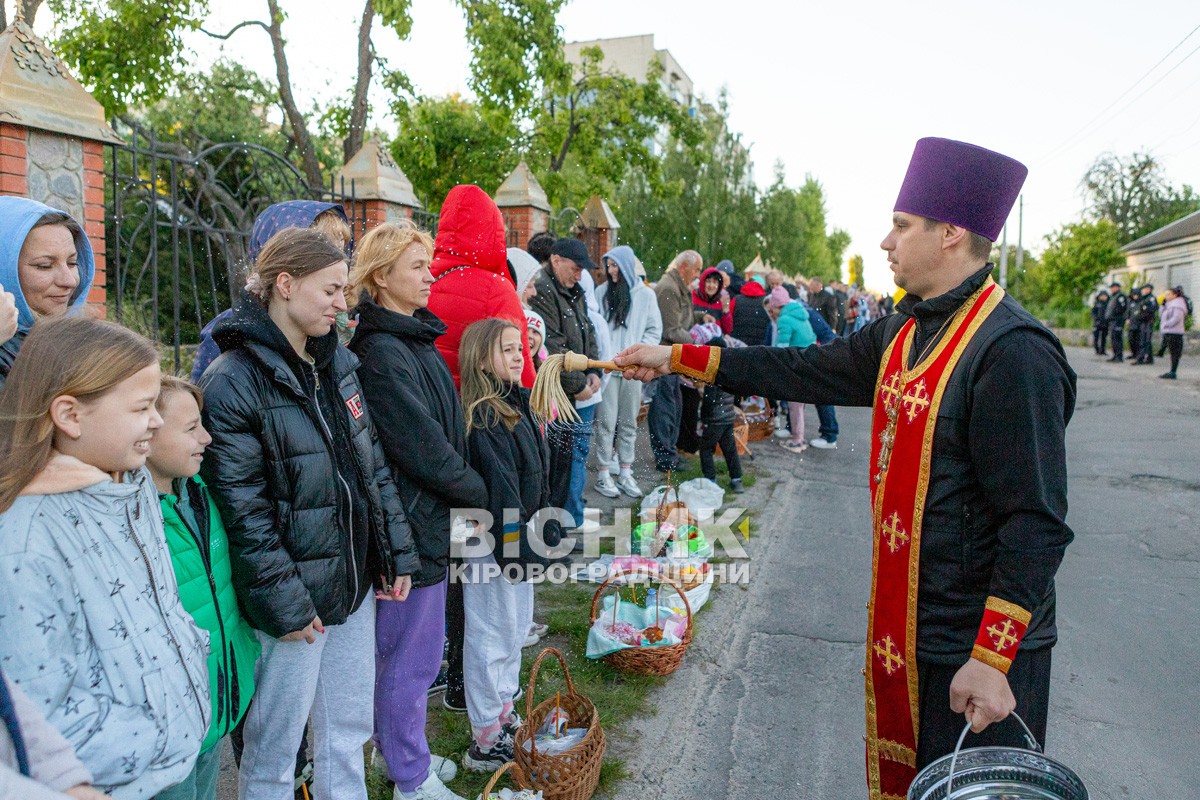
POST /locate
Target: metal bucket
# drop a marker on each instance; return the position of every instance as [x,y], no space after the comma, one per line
[997,773]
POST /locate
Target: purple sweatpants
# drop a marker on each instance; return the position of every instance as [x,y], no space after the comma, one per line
[408,654]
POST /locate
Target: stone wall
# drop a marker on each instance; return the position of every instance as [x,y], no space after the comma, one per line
[55,171]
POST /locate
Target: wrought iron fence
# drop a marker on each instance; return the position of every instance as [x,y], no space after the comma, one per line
[178,227]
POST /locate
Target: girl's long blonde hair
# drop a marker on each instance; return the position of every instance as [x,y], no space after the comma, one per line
[65,355]
[378,251]
[482,392]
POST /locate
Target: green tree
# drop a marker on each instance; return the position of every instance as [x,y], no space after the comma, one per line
[446,141]
[793,226]
[705,199]
[1076,257]
[132,53]
[780,224]
[1134,194]
[583,127]
[128,52]
[856,270]
[228,104]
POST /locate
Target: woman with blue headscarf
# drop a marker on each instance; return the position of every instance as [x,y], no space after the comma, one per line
[46,263]
[328,218]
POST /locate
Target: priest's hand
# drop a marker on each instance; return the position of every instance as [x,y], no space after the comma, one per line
[981,693]
[644,362]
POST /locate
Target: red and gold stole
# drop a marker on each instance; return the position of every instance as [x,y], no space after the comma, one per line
[906,407]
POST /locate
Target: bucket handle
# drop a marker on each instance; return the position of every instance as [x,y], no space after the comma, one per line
[1029,739]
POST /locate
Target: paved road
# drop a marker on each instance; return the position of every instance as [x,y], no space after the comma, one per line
[768,702]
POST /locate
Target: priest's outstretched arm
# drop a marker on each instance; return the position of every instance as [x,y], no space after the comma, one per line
[841,373]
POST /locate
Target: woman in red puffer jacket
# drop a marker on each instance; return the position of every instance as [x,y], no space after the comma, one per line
[470,272]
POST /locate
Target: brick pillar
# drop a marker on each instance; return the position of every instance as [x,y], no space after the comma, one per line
[523,204]
[522,222]
[598,227]
[52,147]
[381,190]
[12,160]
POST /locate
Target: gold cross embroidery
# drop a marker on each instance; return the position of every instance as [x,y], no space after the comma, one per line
[892,389]
[894,532]
[915,400]
[1004,636]
[888,653]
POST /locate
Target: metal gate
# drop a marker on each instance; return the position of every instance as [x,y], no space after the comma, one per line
[178,226]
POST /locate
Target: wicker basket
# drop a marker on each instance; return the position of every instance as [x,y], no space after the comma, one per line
[648,660]
[758,420]
[572,775]
[491,784]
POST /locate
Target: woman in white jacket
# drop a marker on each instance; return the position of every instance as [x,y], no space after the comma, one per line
[631,311]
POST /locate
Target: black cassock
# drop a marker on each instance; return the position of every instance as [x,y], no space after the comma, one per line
[994,522]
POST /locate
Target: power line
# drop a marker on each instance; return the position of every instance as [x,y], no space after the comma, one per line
[1087,125]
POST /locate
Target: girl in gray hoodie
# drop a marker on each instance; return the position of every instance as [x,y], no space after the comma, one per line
[94,631]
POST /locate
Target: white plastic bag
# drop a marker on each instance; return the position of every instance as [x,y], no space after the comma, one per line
[654,498]
[702,496]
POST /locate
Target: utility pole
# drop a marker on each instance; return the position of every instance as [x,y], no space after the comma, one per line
[1004,258]
[1020,232]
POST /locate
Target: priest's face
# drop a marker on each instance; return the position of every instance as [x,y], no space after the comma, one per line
[914,251]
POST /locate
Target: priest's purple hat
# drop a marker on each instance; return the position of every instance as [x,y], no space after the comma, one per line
[962,184]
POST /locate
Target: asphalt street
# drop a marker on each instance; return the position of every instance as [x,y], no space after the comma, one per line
[769,700]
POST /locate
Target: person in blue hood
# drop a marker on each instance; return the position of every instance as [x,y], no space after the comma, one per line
[328,218]
[46,264]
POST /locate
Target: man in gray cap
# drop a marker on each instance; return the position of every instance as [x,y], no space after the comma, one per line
[561,302]
[971,398]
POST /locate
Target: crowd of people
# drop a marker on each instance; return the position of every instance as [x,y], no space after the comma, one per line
[1116,315]
[263,553]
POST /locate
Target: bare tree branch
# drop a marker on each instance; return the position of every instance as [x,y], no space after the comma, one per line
[236,28]
[29,8]
[308,153]
[358,106]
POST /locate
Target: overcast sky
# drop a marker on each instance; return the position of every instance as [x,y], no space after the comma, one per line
[843,90]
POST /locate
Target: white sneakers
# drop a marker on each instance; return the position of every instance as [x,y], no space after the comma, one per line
[628,485]
[444,768]
[821,443]
[431,789]
[606,486]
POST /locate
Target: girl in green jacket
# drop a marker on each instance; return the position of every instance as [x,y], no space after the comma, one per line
[200,556]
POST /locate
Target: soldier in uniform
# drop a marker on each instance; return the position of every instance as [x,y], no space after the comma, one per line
[1115,316]
[1099,324]
[1147,312]
[971,399]
[1131,323]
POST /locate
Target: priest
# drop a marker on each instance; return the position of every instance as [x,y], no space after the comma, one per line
[968,477]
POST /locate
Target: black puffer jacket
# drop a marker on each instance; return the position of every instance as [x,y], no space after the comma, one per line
[420,422]
[717,407]
[305,493]
[516,466]
[567,324]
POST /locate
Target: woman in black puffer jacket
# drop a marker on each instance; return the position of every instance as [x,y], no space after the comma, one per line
[411,393]
[312,513]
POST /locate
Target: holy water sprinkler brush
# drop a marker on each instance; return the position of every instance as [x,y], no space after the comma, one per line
[547,398]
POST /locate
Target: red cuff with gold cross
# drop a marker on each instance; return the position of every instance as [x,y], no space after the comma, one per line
[1000,633]
[697,362]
